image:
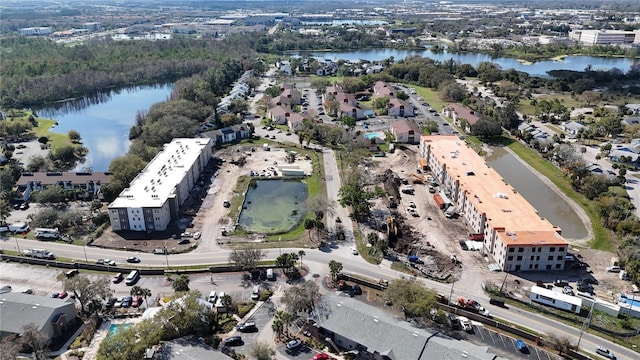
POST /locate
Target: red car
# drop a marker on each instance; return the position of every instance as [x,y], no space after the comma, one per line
[137,301]
[117,278]
[321,356]
[62,295]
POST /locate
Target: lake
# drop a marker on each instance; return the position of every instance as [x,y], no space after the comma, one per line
[104,120]
[539,68]
[549,204]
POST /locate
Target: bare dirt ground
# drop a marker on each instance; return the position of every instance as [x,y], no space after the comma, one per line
[430,235]
[204,211]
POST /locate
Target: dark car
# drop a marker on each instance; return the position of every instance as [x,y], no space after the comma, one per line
[357,290]
[127,302]
[24,206]
[16,206]
[233,341]
[133,259]
[248,326]
[110,302]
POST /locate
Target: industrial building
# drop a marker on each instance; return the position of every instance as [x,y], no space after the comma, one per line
[35,31]
[154,197]
[605,37]
[511,229]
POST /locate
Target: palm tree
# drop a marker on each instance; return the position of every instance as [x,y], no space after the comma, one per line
[334,268]
[301,253]
[278,327]
[286,318]
[139,290]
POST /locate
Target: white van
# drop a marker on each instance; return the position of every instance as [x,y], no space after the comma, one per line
[213,296]
[132,278]
[47,233]
[270,275]
[19,227]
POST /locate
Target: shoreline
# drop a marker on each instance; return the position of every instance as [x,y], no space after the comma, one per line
[576,208]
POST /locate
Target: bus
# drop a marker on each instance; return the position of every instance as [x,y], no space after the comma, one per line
[132,278]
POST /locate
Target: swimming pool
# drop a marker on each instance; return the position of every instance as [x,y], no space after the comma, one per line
[376,134]
[116,328]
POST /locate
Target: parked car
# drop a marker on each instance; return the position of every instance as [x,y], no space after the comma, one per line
[24,206]
[248,326]
[321,356]
[110,302]
[614,269]
[186,235]
[117,278]
[183,241]
[54,295]
[133,259]
[465,324]
[137,301]
[63,295]
[568,290]
[127,301]
[521,346]
[294,344]
[561,283]
[354,251]
[233,341]
[197,235]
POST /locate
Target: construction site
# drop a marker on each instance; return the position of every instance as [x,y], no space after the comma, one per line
[423,231]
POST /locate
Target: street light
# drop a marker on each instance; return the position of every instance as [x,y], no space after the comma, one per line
[84,248]
[587,322]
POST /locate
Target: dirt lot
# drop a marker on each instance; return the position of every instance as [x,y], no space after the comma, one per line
[204,211]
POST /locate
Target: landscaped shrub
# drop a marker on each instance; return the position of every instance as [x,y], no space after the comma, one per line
[244,308]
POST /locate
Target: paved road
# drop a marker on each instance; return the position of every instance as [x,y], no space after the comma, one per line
[317,261]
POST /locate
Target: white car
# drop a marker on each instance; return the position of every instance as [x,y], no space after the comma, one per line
[412,204]
[294,344]
[197,235]
[354,251]
[465,323]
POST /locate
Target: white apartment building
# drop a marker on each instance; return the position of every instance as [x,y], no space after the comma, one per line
[513,232]
[154,197]
[604,37]
[35,31]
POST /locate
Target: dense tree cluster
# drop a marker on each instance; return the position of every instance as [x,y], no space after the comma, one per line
[37,71]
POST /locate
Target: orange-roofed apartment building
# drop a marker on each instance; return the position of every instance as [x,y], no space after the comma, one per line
[517,237]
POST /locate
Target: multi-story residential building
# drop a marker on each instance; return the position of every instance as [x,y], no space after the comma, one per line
[86,184]
[604,37]
[405,131]
[396,107]
[154,197]
[35,31]
[461,115]
[513,231]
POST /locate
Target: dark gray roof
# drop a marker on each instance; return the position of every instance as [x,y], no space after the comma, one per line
[380,332]
[188,348]
[51,178]
[18,310]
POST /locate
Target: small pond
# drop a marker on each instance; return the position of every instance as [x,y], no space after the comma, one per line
[273,206]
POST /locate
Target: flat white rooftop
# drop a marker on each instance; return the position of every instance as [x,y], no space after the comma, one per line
[157,181]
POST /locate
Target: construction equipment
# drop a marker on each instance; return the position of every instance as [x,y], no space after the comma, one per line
[417,179]
[392,228]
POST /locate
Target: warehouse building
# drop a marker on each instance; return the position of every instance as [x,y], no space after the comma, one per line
[604,37]
[511,229]
[154,197]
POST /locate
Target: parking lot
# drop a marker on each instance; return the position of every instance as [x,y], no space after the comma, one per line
[504,345]
[261,318]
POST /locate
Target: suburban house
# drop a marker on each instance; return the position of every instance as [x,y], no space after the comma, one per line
[295,122]
[352,325]
[572,128]
[228,134]
[327,68]
[346,98]
[458,113]
[239,91]
[52,317]
[185,348]
[86,184]
[630,151]
[278,114]
[347,109]
[333,90]
[382,89]
[398,107]
[405,131]
[284,67]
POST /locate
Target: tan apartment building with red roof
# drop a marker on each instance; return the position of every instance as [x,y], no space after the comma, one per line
[513,232]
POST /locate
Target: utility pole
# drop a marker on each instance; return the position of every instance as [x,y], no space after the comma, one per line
[586,323]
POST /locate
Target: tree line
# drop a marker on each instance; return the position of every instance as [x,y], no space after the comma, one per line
[37,71]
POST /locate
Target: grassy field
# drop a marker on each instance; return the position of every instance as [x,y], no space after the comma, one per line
[430,96]
[601,236]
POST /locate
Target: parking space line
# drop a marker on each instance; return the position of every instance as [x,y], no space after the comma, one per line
[505,345]
[480,331]
[493,339]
